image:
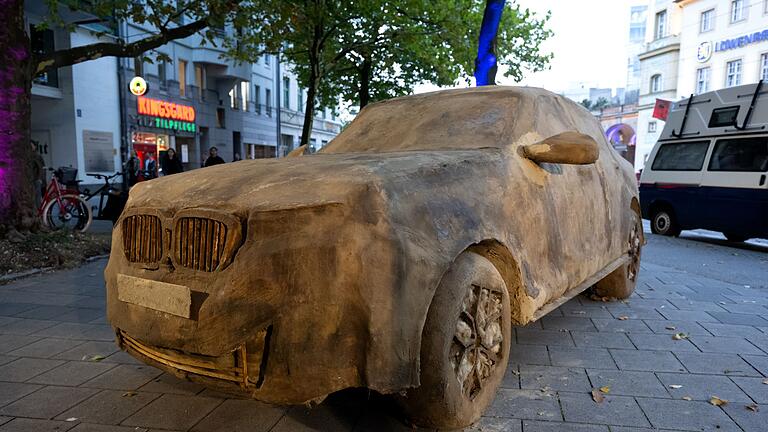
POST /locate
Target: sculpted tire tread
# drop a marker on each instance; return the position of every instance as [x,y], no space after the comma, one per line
[465,346]
[621,282]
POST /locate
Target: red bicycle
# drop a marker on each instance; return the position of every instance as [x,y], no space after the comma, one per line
[62,206]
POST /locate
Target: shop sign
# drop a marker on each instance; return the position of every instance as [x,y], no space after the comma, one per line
[166,110]
[706,48]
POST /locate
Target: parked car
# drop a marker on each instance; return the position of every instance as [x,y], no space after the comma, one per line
[709,167]
[397,258]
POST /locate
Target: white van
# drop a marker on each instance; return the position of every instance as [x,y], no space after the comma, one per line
[708,169]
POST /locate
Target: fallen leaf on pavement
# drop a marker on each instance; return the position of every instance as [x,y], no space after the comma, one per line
[129,394]
[670,327]
[71,419]
[93,358]
[765,381]
[597,396]
[679,336]
[752,407]
[605,389]
[716,401]
[687,398]
[675,386]
[623,318]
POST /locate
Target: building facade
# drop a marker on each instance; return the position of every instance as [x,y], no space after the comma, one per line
[698,46]
[85,116]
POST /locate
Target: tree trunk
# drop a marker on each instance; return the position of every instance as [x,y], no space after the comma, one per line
[314,81]
[364,92]
[16,185]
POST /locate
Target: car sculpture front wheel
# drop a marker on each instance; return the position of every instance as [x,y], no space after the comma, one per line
[465,346]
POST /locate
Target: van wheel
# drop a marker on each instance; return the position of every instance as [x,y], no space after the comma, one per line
[464,348]
[621,282]
[663,222]
[736,238]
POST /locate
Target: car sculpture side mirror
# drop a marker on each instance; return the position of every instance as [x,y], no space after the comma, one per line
[566,148]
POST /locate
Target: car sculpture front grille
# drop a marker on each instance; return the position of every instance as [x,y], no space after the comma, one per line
[200,243]
[142,239]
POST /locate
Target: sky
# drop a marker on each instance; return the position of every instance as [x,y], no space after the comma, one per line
[589,43]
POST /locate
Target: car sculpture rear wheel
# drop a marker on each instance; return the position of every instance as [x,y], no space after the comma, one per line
[465,346]
[621,282]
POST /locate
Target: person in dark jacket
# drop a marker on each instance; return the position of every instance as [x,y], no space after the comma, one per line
[171,164]
[132,169]
[213,157]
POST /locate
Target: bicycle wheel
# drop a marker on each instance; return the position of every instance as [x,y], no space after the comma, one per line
[73,214]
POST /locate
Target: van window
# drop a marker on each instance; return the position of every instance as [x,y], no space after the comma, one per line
[723,116]
[740,154]
[687,156]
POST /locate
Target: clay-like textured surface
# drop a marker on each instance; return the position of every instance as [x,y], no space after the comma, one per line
[337,255]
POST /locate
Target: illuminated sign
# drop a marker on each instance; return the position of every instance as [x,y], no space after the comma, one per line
[165,110]
[138,86]
[704,52]
[729,44]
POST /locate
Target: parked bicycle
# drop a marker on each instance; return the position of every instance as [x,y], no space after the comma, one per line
[64,206]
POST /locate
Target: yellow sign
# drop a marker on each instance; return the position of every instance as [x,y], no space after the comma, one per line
[138,86]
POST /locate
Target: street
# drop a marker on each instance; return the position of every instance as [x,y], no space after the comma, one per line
[687,352]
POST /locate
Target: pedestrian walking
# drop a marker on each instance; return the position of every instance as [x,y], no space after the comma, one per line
[150,167]
[170,163]
[237,157]
[132,169]
[213,157]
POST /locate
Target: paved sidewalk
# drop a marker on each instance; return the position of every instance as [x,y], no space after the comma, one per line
[60,369]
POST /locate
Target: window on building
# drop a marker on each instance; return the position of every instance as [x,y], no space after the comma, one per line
[286,93]
[266,60]
[257,99]
[300,100]
[313,145]
[322,113]
[733,73]
[42,42]
[325,143]
[661,24]
[738,11]
[687,156]
[765,7]
[652,126]
[245,88]
[200,80]
[234,100]
[764,67]
[220,117]
[162,74]
[656,83]
[702,80]
[182,77]
[740,154]
[707,21]
[268,101]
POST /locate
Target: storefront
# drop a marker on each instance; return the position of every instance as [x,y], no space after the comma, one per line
[159,126]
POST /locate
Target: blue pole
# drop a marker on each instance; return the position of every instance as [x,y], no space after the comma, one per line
[485,63]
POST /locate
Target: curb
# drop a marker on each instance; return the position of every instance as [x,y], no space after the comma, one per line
[20,275]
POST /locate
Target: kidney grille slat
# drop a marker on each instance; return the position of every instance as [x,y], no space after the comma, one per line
[142,239]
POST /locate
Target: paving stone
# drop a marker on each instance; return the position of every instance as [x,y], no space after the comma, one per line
[25,368]
[167,383]
[10,342]
[4,420]
[652,361]
[4,320]
[597,358]
[81,315]
[511,377]
[109,406]
[687,315]
[488,424]
[601,340]
[79,331]
[10,392]
[754,387]
[731,330]
[636,313]
[173,412]
[47,402]
[661,343]
[627,383]
[554,378]
[45,348]
[645,303]
[758,362]
[11,309]
[715,364]
[25,326]
[672,327]
[686,304]
[33,425]
[568,323]
[542,426]
[91,427]
[703,387]
[614,410]
[525,404]
[749,420]
[87,350]
[124,377]
[45,312]
[615,325]
[686,415]
[739,319]
[527,336]
[709,297]
[746,308]
[760,342]
[582,311]
[300,419]
[123,357]
[528,354]
[729,345]
[72,373]
[241,416]
[6,359]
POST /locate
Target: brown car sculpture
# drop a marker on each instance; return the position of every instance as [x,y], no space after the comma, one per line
[398,258]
